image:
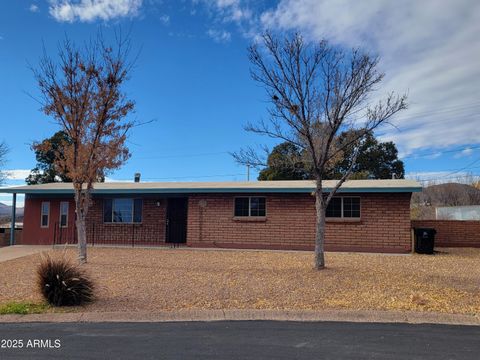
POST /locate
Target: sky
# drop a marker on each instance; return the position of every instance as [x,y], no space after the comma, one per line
[191,78]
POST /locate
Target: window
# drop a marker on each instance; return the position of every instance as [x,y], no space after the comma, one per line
[123,210]
[250,206]
[45,214]
[344,207]
[64,214]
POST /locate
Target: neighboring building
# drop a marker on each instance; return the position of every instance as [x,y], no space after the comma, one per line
[8,225]
[471,212]
[367,215]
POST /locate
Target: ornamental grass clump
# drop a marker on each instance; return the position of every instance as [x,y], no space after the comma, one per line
[63,283]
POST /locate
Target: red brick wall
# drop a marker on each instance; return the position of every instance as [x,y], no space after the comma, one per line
[453,233]
[290,224]
[150,232]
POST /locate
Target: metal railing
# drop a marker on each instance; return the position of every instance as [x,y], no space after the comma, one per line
[133,235]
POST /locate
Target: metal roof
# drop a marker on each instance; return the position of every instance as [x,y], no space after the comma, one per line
[291,186]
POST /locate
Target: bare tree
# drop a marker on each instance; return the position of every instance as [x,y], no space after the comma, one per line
[316,92]
[3,160]
[82,92]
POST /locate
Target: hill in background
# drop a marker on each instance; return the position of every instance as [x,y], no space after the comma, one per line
[449,194]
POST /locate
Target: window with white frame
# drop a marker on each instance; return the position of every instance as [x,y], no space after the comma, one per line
[45,214]
[344,207]
[64,214]
[250,206]
[122,210]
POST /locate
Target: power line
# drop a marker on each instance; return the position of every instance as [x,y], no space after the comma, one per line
[443,152]
[440,111]
[463,168]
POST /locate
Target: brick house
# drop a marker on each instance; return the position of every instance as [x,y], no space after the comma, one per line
[366,215]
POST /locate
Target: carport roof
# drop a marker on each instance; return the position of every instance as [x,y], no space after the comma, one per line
[291,186]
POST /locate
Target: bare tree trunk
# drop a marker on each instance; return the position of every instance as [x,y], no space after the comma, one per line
[81,229]
[320,229]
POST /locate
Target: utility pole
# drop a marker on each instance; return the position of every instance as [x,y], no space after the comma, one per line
[248,172]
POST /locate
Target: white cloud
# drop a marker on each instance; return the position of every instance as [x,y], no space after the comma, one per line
[433,156]
[225,12]
[466,152]
[34,8]
[219,36]
[165,19]
[91,10]
[429,49]
[17,174]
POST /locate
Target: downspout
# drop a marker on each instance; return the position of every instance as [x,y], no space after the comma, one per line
[14,215]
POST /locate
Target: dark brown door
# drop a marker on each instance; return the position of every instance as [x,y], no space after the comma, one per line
[177,220]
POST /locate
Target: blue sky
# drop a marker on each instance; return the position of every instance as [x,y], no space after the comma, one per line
[192,76]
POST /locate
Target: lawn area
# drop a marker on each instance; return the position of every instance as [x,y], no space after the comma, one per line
[160,279]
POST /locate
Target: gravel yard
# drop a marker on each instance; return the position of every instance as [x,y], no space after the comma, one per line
[169,279]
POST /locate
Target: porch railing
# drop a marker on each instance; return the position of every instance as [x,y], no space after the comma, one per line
[115,235]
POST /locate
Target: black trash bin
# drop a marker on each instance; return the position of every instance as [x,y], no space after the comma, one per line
[424,240]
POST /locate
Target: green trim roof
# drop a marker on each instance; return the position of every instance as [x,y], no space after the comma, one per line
[293,186]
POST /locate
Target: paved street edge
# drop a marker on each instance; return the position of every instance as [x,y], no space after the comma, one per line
[228,315]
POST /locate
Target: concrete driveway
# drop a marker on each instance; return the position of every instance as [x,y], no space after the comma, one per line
[16,251]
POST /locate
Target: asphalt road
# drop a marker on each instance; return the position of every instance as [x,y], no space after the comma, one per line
[239,340]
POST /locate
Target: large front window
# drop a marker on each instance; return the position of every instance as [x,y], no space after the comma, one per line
[122,210]
[250,206]
[344,207]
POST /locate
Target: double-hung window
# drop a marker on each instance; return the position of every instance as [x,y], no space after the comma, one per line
[122,210]
[64,214]
[250,206]
[344,207]
[45,214]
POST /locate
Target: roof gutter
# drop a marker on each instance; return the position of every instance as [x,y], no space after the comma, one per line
[210,190]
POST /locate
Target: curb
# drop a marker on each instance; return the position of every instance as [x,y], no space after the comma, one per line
[369,316]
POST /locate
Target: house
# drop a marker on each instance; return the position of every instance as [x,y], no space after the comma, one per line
[366,215]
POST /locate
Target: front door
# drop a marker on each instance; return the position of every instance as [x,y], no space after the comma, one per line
[177,220]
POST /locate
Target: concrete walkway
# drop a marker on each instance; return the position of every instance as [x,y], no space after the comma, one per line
[17,251]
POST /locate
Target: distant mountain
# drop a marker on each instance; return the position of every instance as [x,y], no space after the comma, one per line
[6,211]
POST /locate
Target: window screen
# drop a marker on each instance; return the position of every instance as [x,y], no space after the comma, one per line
[344,207]
[250,206]
[242,206]
[351,207]
[123,210]
[334,209]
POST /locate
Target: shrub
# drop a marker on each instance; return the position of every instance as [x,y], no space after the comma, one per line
[63,283]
